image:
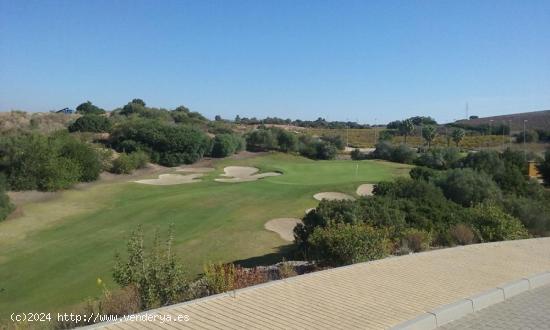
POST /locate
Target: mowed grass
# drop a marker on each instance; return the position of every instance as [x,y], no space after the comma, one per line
[51,256]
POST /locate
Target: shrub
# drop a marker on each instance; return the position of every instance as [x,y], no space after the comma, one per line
[462,234]
[403,154]
[533,213]
[287,141]
[87,108]
[468,187]
[439,158]
[225,145]
[219,277]
[156,275]
[493,224]
[261,140]
[6,207]
[91,123]
[124,301]
[415,239]
[530,136]
[169,145]
[34,161]
[127,163]
[356,154]
[344,244]
[336,140]
[544,168]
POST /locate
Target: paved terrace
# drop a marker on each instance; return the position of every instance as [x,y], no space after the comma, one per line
[372,295]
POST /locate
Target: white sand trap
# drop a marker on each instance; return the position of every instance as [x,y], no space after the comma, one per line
[283,226]
[195,169]
[243,174]
[171,179]
[365,189]
[309,210]
[333,196]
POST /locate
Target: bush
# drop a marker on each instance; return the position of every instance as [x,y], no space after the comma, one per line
[6,207]
[439,158]
[156,275]
[462,234]
[225,145]
[344,244]
[533,213]
[493,224]
[415,240]
[33,161]
[530,137]
[87,108]
[468,187]
[221,278]
[127,163]
[261,140]
[168,145]
[544,168]
[400,154]
[91,123]
[356,154]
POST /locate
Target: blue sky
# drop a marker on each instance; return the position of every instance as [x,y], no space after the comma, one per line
[357,60]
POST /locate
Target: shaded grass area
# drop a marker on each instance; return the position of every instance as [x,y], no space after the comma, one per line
[51,256]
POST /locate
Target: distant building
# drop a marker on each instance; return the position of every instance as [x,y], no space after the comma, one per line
[533,171]
[66,111]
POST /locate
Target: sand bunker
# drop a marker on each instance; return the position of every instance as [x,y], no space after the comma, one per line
[243,174]
[283,226]
[309,210]
[333,196]
[171,179]
[195,169]
[365,189]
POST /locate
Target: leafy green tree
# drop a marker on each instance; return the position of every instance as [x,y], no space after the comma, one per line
[458,135]
[406,128]
[138,101]
[91,123]
[429,133]
[156,274]
[87,108]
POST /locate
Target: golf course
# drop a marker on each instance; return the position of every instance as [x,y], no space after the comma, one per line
[54,248]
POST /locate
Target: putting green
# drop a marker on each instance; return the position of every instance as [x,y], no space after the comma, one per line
[51,256]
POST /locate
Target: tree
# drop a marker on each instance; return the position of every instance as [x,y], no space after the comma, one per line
[261,140]
[429,133]
[544,168]
[406,128]
[87,108]
[218,118]
[458,135]
[138,101]
[91,123]
[287,141]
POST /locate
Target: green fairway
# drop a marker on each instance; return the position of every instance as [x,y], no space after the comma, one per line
[51,256]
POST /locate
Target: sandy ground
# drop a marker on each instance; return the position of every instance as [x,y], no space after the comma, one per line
[332,196]
[283,226]
[365,150]
[171,179]
[365,189]
[195,169]
[243,174]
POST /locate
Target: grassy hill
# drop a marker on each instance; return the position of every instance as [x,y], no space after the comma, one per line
[535,120]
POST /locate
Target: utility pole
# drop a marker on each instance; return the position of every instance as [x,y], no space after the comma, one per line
[503,138]
[490,132]
[524,150]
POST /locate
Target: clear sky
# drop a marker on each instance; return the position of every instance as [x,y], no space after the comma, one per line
[356,60]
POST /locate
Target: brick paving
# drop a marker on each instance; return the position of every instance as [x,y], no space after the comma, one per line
[529,310]
[373,295]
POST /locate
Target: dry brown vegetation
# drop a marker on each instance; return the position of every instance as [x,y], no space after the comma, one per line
[44,122]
